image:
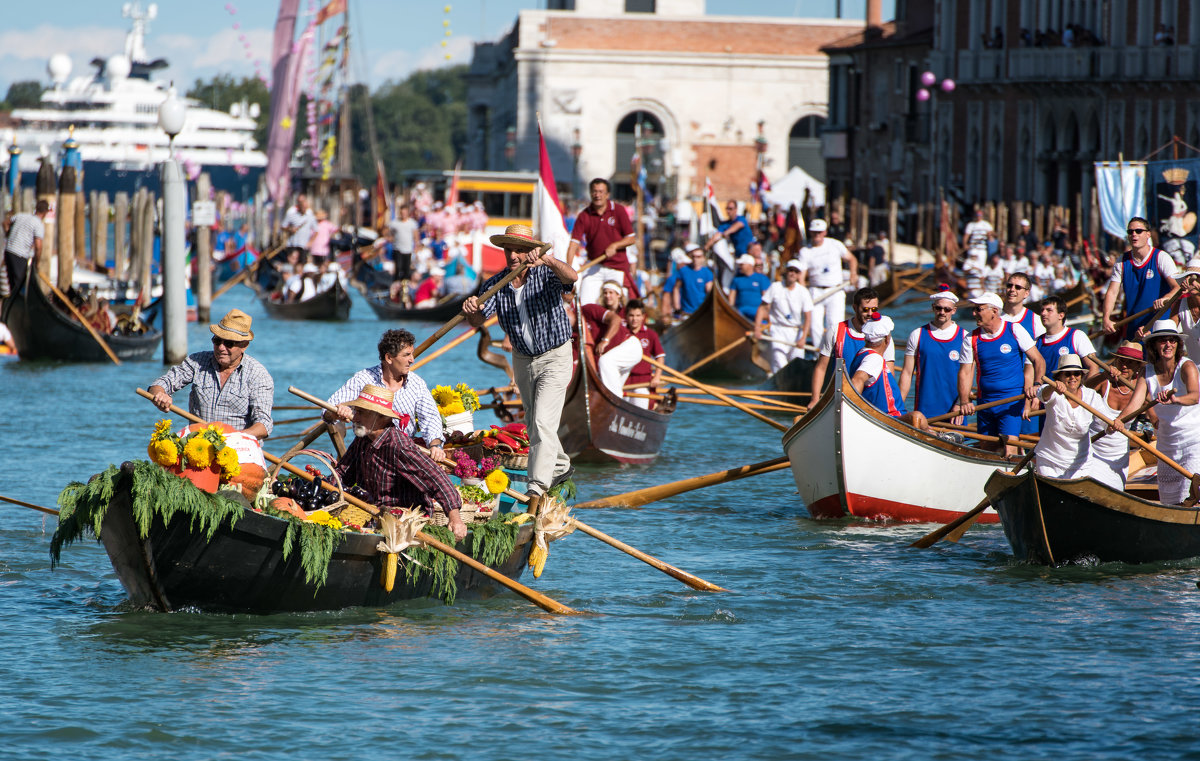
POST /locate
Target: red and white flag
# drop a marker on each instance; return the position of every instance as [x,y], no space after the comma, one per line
[710,215]
[549,221]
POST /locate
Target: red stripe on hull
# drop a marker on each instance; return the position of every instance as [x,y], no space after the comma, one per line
[862,506]
[827,507]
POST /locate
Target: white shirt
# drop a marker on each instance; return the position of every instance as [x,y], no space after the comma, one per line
[1166,265]
[1038,327]
[967,355]
[5,334]
[25,229]
[1191,330]
[787,307]
[872,365]
[1064,441]
[823,263]
[942,334]
[404,234]
[889,353]
[304,224]
[977,235]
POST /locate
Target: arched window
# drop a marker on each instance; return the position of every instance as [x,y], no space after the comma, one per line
[649,138]
[804,146]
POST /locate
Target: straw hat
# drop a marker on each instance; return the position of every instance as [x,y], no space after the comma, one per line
[1193,268]
[374,399]
[1068,363]
[234,326]
[1165,329]
[518,238]
[1130,350]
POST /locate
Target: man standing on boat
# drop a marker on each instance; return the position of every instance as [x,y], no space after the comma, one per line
[692,283]
[1145,274]
[530,311]
[871,379]
[788,308]
[604,227]
[999,349]
[383,460]
[24,241]
[228,385]
[299,224]
[931,358]
[1016,290]
[411,399]
[822,260]
[1059,340]
[844,342]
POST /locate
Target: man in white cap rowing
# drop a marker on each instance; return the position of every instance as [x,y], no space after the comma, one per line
[383,460]
[787,307]
[228,385]
[822,261]
[870,377]
[530,310]
[931,358]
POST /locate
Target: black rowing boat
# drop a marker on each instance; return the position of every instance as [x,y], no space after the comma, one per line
[41,331]
[386,309]
[330,304]
[1052,521]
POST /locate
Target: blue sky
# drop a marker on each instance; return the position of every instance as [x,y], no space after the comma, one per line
[199,37]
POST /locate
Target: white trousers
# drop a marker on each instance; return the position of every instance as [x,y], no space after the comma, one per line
[782,353]
[616,363]
[542,381]
[827,314]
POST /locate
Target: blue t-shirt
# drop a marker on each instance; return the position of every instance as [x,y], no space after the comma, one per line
[748,291]
[692,287]
[742,238]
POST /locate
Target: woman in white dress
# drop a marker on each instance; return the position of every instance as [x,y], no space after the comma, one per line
[1108,458]
[1172,379]
[1062,450]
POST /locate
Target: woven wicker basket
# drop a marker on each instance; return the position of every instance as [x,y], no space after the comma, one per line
[515,461]
[470,513]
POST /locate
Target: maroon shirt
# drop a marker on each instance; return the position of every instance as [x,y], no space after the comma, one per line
[601,230]
[593,316]
[396,473]
[651,347]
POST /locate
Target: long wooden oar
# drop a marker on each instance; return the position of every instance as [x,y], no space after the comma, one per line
[664,491]
[463,337]
[828,293]
[964,521]
[718,353]
[978,407]
[772,407]
[985,437]
[1148,310]
[728,391]
[713,392]
[30,505]
[687,578]
[537,598]
[99,339]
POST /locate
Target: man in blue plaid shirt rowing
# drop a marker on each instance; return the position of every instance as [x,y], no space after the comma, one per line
[530,310]
[228,385]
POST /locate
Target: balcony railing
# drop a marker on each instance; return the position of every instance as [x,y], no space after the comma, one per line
[1078,64]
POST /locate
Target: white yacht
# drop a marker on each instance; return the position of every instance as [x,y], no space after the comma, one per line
[114,112]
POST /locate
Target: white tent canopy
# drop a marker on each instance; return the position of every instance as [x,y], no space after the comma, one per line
[790,190]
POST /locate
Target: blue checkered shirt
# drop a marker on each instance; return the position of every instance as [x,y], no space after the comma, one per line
[413,400]
[546,326]
[245,400]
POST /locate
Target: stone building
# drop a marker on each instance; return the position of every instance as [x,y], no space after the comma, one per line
[701,95]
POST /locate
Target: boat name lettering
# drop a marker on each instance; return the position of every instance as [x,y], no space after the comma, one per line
[623,427]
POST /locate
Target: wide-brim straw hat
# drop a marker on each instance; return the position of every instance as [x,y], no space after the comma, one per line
[1069,363]
[374,399]
[1193,268]
[517,237]
[1165,329]
[1130,350]
[234,326]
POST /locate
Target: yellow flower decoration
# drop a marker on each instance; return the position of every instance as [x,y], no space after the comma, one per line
[453,408]
[198,452]
[444,396]
[325,519]
[162,429]
[163,452]
[227,458]
[496,481]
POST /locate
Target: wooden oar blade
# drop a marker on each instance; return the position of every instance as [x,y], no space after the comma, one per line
[966,519]
[664,491]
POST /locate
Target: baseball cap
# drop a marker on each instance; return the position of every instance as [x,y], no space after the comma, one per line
[817,226]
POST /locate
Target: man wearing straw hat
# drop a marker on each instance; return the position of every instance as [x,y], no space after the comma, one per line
[530,311]
[228,385]
[383,460]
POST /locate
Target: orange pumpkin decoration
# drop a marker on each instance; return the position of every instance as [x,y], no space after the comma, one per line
[250,479]
[288,505]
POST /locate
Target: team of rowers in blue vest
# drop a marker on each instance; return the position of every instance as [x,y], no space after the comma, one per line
[1011,349]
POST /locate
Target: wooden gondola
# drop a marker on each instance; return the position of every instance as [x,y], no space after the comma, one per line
[794,376]
[331,304]
[599,426]
[41,331]
[715,325]
[848,458]
[242,568]
[1053,521]
[386,309]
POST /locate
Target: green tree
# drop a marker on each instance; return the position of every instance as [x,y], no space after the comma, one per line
[223,90]
[24,94]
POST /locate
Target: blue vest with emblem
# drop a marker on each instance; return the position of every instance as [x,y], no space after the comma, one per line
[935,376]
[1053,351]
[846,345]
[1026,322]
[999,364]
[1142,285]
[884,393]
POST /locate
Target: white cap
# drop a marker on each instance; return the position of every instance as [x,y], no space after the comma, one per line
[988,299]
[946,294]
[795,264]
[878,328]
[1164,329]
[691,246]
[1024,223]
[817,226]
[747,259]
[679,256]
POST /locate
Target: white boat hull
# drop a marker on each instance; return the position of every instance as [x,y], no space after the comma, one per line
[848,458]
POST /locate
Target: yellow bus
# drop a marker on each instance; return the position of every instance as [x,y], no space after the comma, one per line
[507,196]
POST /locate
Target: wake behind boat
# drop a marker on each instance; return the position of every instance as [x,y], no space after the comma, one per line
[848,458]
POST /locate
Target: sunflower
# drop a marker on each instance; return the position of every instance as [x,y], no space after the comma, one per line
[496,481]
[162,430]
[325,519]
[444,395]
[199,452]
[164,452]
[227,458]
[453,408]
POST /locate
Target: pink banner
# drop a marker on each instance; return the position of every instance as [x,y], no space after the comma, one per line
[279,137]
